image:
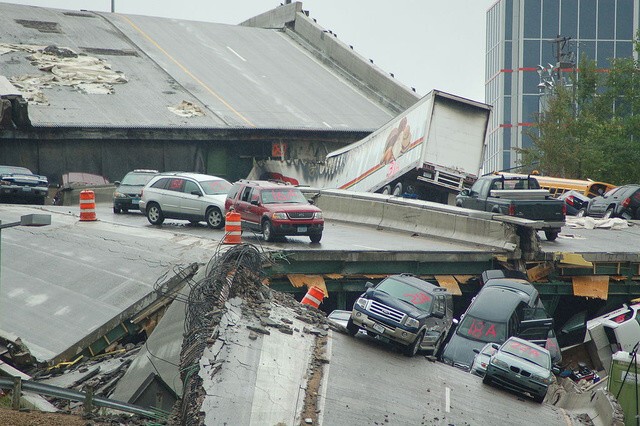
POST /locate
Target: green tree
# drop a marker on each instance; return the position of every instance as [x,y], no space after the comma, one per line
[590,128]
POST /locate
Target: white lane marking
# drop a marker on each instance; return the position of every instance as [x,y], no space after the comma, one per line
[236,53]
[322,392]
[327,124]
[447,400]
[367,247]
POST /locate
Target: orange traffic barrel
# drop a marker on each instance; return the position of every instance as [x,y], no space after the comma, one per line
[313,297]
[232,228]
[87,205]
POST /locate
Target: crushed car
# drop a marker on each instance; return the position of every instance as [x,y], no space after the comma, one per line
[20,185]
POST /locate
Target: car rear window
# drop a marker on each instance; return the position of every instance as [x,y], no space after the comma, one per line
[282,195]
[136,179]
[482,330]
[15,169]
[418,298]
[215,187]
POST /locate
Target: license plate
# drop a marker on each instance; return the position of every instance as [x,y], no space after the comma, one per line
[302,229]
[135,200]
[378,328]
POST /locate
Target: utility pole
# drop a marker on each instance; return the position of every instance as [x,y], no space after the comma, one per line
[113,6]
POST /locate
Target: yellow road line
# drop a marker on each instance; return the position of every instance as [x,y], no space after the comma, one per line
[183,68]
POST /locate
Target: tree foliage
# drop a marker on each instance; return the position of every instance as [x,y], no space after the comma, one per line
[590,128]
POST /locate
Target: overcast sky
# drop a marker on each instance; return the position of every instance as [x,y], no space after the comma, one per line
[426,44]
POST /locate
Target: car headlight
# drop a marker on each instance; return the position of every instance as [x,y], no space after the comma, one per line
[499,363]
[546,380]
[119,195]
[279,215]
[317,215]
[412,322]
[362,302]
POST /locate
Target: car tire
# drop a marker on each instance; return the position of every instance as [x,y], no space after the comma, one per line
[539,398]
[637,216]
[581,213]
[608,214]
[154,214]
[267,231]
[116,210]
[551,235]
[315,238]
[214,218]
[386,190]
[486,379]
[397,190]
[436,348]
[125,210]
[352,329]
[413,348]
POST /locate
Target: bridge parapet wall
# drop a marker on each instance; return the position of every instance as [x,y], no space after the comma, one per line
[416,216]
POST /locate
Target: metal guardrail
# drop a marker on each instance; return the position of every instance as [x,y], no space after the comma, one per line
[58,392]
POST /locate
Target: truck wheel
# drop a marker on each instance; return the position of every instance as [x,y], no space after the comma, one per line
[551,235]
[386,190]
[267,231]
[397,190]
[413,348]
[352,329]
[315,238]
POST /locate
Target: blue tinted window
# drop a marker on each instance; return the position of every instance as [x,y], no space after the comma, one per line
[624,21]
[587,18]
[530,81]
[531,53]
[507,83]
[532,21]
[527,142]
[569,18]
[550,16]
[605,53]
[587,48]
[624,49]
[530,108]
[507,56]
[506,159]
[606,19]
[506,138]
[508,19]
[548,53]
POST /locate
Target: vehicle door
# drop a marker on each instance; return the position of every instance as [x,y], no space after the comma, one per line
[192,202]
[535,324]
[255,209]
[435,324]
[243,205]
[170,197]
[476,198]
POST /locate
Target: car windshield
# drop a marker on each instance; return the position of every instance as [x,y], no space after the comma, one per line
[215,187]
[482,330]
[403,291]
[14,169]
[140,179]
[282,195]
[530,352]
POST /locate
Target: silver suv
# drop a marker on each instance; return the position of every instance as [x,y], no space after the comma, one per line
[188,196]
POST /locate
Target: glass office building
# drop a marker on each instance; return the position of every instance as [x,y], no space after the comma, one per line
[521,36]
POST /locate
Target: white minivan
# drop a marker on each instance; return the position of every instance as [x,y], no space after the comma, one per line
[187,196]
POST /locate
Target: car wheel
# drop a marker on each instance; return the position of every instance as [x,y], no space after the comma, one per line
[637,216]
[315,238]
[116,210]
[539,398]
[397,190]
[267,231]
[609,213]
[486,379]
[551,235]
[352,329]
[214,217]
[436,348]
[124,210]
[413,348]
[581,213]
[154,214]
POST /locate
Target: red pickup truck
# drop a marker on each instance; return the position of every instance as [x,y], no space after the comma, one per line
[275,209]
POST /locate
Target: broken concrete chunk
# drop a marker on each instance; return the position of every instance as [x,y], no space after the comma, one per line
[260,330]
[253,335]
[285,329]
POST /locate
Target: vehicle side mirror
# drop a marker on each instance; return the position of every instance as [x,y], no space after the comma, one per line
[311,202]
[476,350]
[465,192]
[369,284]
[495,346]
[555,370]
[254,202]
[196,192]
[116,183]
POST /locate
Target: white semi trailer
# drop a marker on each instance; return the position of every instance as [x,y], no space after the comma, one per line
[431,152]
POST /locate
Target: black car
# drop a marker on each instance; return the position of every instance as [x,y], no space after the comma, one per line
[127,194]
[576,202]
[623,201]
[409,311]
[495,314]
[20,185]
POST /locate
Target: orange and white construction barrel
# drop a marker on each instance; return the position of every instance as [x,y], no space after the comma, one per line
[314,297]
[87,205]
[232,228]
